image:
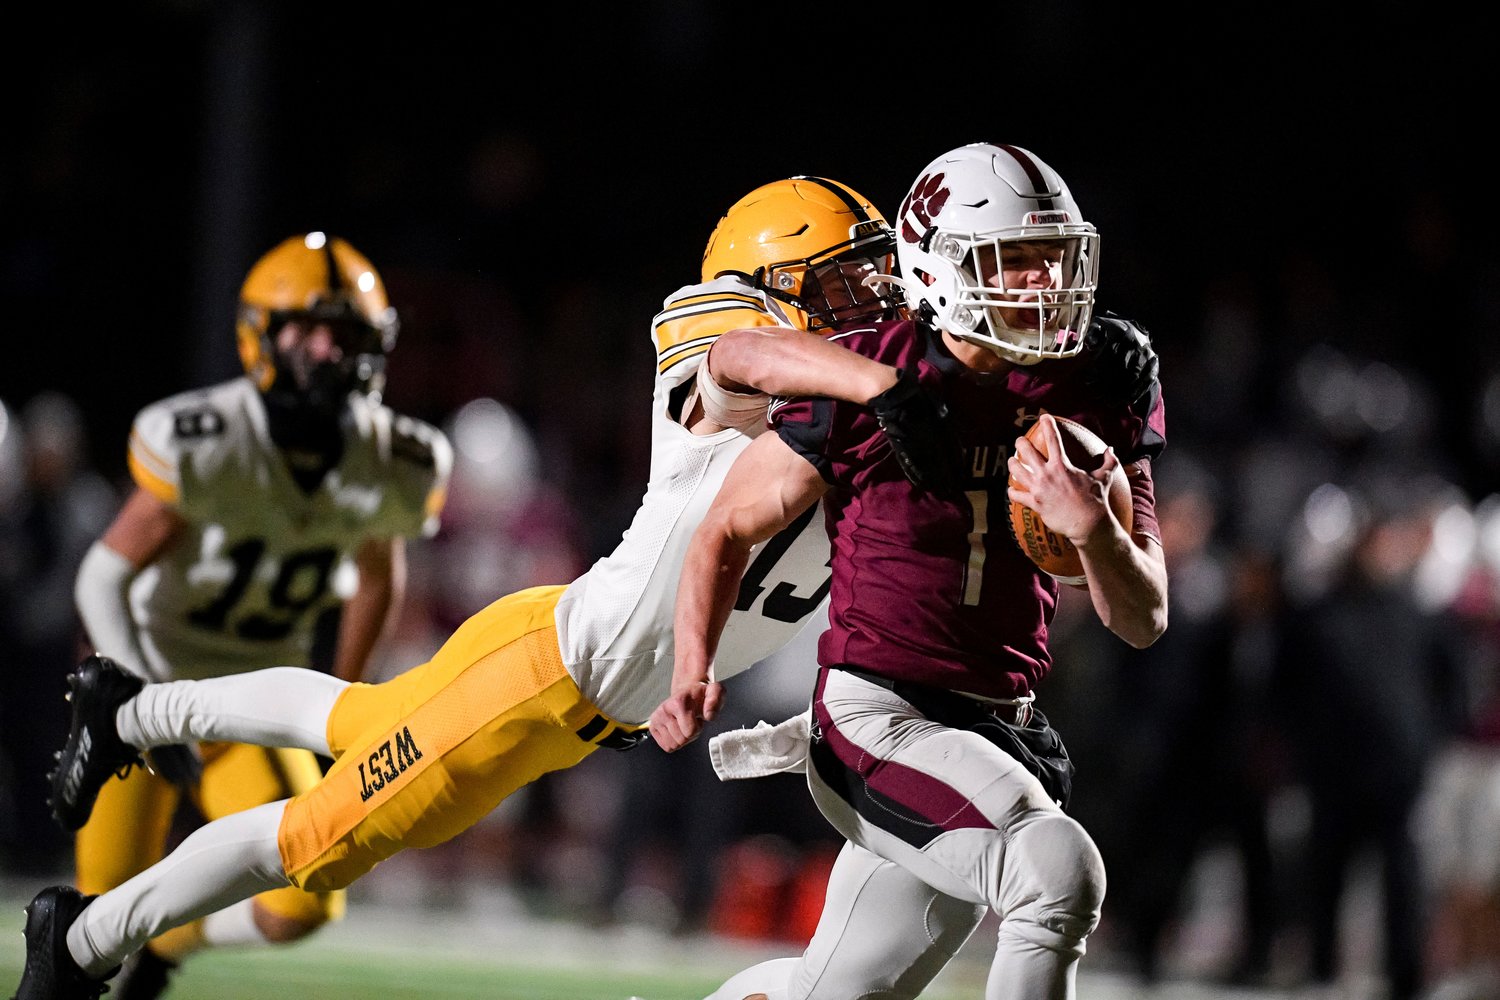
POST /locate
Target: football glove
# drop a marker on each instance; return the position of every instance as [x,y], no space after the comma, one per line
[1121,365]
[923,440]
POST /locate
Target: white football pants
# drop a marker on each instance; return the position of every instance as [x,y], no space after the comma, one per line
[966,818]
[883,935]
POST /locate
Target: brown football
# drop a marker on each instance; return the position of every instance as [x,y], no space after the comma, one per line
[1053,553]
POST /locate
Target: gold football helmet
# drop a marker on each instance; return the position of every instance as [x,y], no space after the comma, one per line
[320,277]
[808,242]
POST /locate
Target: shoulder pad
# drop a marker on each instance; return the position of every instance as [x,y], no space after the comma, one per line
[694,316]
[418,442]
[166,430]
[426,451]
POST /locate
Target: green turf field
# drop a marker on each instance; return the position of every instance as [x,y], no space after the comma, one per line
[378,953]
[426,952]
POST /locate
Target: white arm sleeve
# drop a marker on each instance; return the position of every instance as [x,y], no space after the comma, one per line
[102,594]
[746,413]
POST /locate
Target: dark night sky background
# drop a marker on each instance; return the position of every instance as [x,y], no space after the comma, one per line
[565,164]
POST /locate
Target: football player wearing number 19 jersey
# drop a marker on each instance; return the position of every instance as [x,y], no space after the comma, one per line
[253,500]
[539,679]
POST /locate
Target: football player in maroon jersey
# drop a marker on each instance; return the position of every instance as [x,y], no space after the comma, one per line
[925,747]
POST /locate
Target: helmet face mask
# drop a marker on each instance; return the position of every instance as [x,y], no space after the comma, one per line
[830,288]
[981,215]
[1024,320]
[323,357]
[810,243]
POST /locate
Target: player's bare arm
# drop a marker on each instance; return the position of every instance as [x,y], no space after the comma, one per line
[1127,573]
[144,528]
[371,612]
[746,366]
[768,486]
[782,361]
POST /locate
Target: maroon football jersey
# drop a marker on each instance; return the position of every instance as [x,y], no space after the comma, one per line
[933,588]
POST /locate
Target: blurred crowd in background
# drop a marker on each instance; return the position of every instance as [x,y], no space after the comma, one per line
[1319,726]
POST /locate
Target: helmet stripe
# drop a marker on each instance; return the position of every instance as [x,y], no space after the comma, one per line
[1033,173]
[844,196]
[335,276]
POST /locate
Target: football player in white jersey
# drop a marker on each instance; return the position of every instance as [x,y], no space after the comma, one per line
[539,679]
[253,501]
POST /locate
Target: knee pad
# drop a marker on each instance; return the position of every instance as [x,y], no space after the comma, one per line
[1054,878]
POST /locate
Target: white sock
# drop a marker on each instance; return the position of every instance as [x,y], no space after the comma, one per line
[276,707]
[233,925]
[219,864]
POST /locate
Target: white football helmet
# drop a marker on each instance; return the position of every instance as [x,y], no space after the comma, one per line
[954,225]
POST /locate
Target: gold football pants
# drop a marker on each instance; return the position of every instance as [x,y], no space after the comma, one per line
[132,820]
[424,756]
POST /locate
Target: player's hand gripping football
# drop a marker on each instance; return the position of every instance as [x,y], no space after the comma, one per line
[678,720]
[923,440]
[1071,501]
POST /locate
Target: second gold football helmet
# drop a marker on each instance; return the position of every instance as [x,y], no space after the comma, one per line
[321,277]
[808,242]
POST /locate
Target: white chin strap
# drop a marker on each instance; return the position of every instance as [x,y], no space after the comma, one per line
[874,281]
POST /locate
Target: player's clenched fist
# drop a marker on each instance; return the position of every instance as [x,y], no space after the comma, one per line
[678,720]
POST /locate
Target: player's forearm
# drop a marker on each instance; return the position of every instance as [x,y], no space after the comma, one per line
[371,613]
[1127,584]
[781,361]
[360,628]
[706,593]
[768,486]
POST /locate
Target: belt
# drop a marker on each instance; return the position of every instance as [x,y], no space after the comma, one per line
[1013,711]
[598,730]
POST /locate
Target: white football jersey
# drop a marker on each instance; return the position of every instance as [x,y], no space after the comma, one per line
[615,622]
[262,559]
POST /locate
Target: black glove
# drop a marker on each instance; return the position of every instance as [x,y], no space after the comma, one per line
[916,424]
[179,763]
[1121,364]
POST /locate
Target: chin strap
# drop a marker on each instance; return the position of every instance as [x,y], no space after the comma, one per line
[873,281]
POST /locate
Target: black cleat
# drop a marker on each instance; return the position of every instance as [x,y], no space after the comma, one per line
[94,750]
[143,977]
[51,973]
